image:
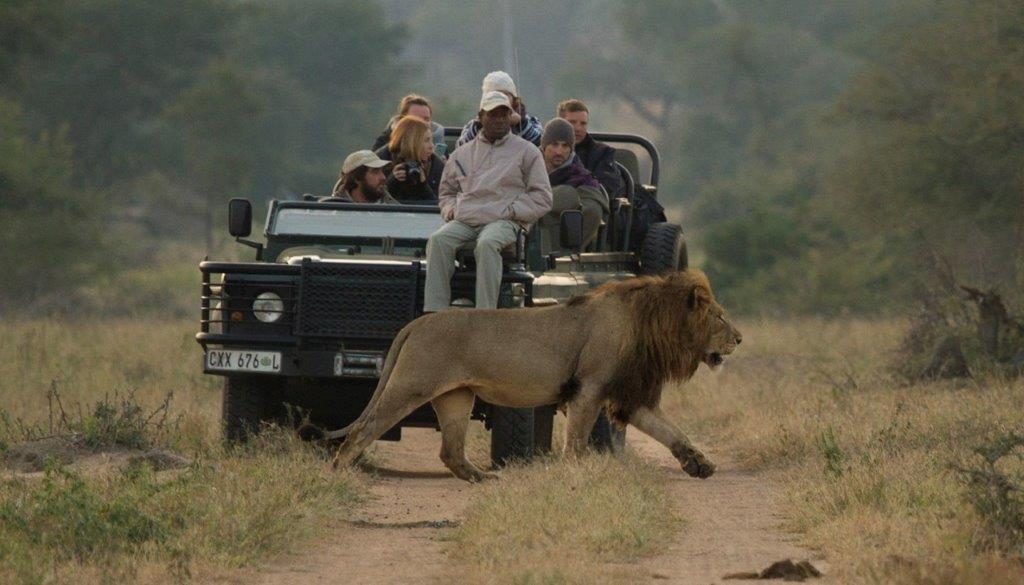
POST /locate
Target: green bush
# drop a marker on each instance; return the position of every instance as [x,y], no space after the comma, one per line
[71,518]
[230,510]
[835,458]
[994,486]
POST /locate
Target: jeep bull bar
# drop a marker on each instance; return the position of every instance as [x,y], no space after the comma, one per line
[317,319]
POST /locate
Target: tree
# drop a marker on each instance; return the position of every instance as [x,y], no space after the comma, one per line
[28,29]
[937,136]
[215,117]
[329,74]
[119,65]
[51,236]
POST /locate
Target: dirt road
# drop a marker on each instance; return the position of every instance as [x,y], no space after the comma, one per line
[732,524]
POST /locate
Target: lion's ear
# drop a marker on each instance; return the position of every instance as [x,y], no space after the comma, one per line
[699,298]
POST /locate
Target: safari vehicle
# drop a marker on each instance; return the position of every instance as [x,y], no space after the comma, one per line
[309,322]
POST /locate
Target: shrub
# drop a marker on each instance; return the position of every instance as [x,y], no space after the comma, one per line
[994,484]
[835,458]
[72,518]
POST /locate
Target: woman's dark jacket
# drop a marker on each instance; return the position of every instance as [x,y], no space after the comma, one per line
[414,192]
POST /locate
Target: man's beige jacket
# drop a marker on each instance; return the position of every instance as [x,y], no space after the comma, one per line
[484,182]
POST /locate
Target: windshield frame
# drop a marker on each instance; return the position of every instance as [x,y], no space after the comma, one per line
[276,207]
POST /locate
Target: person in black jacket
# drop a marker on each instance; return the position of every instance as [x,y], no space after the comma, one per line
[415,175]
[597,157]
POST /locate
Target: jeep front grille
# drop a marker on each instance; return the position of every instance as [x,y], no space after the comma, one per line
[352,300]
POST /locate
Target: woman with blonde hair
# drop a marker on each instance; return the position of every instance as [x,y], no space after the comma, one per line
[416,169]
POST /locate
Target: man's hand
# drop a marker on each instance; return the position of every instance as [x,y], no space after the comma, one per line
[448,214]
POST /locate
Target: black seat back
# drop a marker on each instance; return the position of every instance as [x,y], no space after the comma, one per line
[629,161]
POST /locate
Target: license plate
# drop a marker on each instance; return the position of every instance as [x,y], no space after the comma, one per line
[243,360]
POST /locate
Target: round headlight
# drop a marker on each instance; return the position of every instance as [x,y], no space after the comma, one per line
[268,307]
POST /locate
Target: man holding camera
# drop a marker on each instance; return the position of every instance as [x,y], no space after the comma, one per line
[493,187]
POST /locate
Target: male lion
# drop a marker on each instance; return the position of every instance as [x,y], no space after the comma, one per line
[613,347]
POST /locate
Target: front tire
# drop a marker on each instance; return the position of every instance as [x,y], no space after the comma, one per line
[664,250]
[520,433]
[511,434]
[249,401]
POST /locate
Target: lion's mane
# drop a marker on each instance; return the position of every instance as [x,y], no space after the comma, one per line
[660,346]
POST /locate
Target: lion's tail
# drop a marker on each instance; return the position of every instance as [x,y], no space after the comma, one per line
[385,375]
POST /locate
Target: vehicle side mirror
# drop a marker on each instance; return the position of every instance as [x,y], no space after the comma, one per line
[239,217]
[571,232]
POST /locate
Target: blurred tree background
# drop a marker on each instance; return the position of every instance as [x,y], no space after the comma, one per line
[819,153]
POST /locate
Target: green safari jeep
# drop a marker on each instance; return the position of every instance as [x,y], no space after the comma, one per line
[309,322]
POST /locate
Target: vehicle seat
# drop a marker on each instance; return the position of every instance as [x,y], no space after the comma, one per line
[620,220]
[629,161]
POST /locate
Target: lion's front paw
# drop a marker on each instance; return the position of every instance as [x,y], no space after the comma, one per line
[488,476]
[699,466]
[474,475]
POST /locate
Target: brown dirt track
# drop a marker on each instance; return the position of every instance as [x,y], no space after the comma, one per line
[732,525]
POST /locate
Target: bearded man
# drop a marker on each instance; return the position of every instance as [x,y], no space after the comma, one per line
[362,180]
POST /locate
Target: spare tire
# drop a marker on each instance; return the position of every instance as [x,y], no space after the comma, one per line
[664,250]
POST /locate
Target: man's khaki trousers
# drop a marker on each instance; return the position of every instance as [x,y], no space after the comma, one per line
[441,247]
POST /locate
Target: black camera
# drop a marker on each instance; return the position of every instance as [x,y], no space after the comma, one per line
[413,171]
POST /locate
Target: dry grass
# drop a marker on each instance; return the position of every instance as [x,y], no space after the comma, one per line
[88,360]
[231,507]
[870,467]
[237,508]
[563,520]
[868,464]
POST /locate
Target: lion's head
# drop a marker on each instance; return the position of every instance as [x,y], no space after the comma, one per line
[708,323]
[723,339]
[677,324]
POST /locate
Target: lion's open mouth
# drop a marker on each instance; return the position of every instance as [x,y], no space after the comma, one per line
[714,359]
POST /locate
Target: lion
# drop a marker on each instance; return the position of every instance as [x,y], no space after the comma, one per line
[613,347]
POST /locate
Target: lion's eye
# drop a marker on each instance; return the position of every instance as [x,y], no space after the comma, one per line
[722,318]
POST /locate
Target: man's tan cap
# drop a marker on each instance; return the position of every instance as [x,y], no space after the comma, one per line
[494,99]
[362,158]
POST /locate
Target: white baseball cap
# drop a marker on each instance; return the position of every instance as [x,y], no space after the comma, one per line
[494,99]
[362,158]
[499,81]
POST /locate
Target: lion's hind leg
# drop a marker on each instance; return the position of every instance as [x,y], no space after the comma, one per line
[356,441]
[654,423]
[453,410]
[396,402]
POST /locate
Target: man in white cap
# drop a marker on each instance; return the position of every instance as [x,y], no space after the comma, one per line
[492,188]
[362,180]
[523,125]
